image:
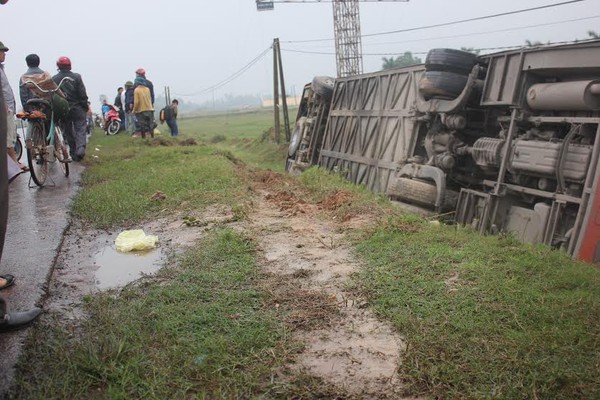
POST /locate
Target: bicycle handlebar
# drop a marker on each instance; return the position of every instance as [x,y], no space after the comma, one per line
[66,78]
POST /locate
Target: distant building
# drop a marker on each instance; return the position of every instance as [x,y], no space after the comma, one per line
[291,101]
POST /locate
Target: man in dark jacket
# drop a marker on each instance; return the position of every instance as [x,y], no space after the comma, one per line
[119,103]
[170,117]
[129,116]
[35,74]
[74,90]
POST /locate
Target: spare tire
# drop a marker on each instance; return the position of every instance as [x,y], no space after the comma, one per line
[451,60]
[323,86]
[422,193]
[441,84]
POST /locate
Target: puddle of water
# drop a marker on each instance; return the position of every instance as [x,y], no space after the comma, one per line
[117,269]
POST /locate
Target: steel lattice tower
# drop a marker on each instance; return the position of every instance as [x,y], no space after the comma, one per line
[348,44]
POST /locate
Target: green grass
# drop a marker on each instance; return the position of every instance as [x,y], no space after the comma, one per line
[485,317]
[241,125]
[248,135]
[197,330]
[259,153]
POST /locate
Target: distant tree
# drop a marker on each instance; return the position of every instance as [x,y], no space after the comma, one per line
[401,61]
[471,50]
[593,35]
[529,43]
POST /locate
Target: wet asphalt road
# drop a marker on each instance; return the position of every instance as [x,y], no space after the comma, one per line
[37,220]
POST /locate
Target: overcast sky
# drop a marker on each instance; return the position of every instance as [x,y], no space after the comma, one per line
[191,45]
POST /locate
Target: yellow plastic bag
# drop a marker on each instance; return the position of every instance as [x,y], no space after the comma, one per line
[135,240]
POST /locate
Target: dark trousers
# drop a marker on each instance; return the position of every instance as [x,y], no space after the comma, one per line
[172,123]
[75,131]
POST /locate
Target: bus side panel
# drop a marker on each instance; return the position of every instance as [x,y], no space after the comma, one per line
[371,125]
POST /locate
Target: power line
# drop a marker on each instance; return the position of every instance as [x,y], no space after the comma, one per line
[230,78]
[450,23]
[486,32]
[516,28]
[477,18]
[330,1]
[425,52]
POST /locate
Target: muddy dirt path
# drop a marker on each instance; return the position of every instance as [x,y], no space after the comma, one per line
[307,261]
[343,343]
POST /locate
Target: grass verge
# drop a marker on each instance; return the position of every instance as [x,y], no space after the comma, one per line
[485,317]
[134,179]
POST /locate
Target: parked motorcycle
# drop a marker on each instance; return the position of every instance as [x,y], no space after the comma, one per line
[112,123]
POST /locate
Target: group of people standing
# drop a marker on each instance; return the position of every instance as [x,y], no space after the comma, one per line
[136,105]
[141,116]
[72,90]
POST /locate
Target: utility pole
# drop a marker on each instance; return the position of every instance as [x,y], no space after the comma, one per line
[167,95]
[278,81]
[286,118]
[276,92]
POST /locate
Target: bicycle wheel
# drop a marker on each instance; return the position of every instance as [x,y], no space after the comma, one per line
[19,148]
[37,154]
[60,151]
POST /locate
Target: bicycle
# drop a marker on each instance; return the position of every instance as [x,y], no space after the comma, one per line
[46,143]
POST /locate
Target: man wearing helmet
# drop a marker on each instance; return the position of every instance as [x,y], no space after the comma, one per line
[74,90]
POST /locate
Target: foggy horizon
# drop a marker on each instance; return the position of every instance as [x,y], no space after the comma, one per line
[192,46]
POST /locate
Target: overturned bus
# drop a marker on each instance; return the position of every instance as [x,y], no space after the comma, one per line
[507,142]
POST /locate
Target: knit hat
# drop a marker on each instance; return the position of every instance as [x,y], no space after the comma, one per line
[3,47]
[128,83]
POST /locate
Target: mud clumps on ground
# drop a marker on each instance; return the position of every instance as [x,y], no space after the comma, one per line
[290,204]
[188,142]
[336,200]
[161,141]
[268,177]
